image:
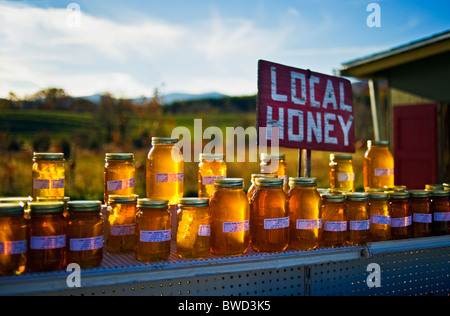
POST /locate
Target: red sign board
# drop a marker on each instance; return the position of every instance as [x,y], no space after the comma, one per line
[312,110]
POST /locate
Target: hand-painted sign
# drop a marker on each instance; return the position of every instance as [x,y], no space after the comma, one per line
[312,110]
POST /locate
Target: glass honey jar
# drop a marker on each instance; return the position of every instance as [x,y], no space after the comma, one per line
[378,166]
[275,164]
[165,170]
[85,233]
[252,188]
[269,217]
[305,213]
[401,215]
[194,228]
[13,239]
[441,212]
[358,216]
[22,200]
[420,209]
[48,175]
[153,230]
[120,228]
[210,168]
[334,218]
[380,216]
[342,175]
[47,233]
[120,174]
[230,218]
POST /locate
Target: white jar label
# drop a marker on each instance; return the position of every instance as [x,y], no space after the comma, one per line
[422,218]
[13,247]
[46,184]
[120,184]
[155,235]
[122,230]
[234,227]
[359,225]
[380,219]
[204,230]
[402,221]
[442,216]
[305,224]
[335,226]
[210,180]
[169,177]
[346,177]
[276,223]
[47,242]
[86,244]
[384,172]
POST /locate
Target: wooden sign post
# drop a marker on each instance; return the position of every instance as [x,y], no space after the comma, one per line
[313,111]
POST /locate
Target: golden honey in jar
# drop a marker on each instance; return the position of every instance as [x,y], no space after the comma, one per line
[165,170]
[120,228]
[13,239]
[358,216]
[380,216]
[153,230]
[210,168]
[48,175]
[269,218]
[305,213]
[120,174]
[85,233]
[441,212]
[401,215]
[378,166]
[252,188]
[422,216]
[275,164]
[342,175]
[230,218]
[194,228]
[47,233]
[22,200]
[334,219]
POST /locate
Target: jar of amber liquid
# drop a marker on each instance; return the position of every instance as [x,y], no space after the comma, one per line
[441,212]
[358,216]
[13,239]
[380,216]
[120,174]
[210,168]
[230,218]
[334,217]
[165,171]
[85,234]
[422,217]
[342,175]
[194,228]
[22,200]
[65,200]
[153,230]
[47,233]
[305,213]
[120,228]
[401,215]
[269,217]
[252,188]
[275,164]
[48,175]
[378,166]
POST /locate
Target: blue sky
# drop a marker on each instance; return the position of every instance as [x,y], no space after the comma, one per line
[129,48]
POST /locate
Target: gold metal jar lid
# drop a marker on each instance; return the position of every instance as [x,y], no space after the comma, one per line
[191,202]
[419,193]
[269,156]
[302,181]
[357,196]
[48,156]
[84,206]
[15,200]
[269,182]
[341,157]
[229,183]
[164,141]
[46,207]
[211,157]
[371,143]
[399,195]
[262,175]
[378,195]
[119,156]
[149,203]
[440,193]
[438,186]
[334,197]
[11,209]
[123,199]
